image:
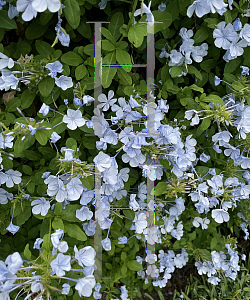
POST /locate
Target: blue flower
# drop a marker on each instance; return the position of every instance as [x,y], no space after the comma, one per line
[146,10]
[64,82]
[12,228]
[237,25]
[40,206]
[44,109]
[61,264]
[12,12]
[245,70]
[55,67]
[54,137]
[200,7]
[42,5]
[217,80]
[122,240]
[26,6]
[37,244]
[223,35]
[106,243]
[73,119]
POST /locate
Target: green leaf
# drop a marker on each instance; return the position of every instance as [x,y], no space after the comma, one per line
[160,188]
[134,265]
[203,126]
[80,71]
[106,45]
[176,71]
[72,13]
[136,34]
[22,48]
[200,35]
[123,256]
[116,22]
[27,170]
[58,208]
[237,86]
[124,270]
[84,28]
[27,98]
[47,152]
[196,88]
[46,85]
[69,213]
[24,216]
[123,58]
[72,59]
[88,182]
[32,155]
[108,73]
[193,70]
[232,65]
[89,49]
[5,21]
[35,30]
[41,137]
[44,48]
[125,79]
[31,187]
[213,98]
[27,252]
[13,103]
[75,231]
[108,35]
[164,17]
[57,224]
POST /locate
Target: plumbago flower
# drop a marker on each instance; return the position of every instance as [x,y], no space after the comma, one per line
[74,119]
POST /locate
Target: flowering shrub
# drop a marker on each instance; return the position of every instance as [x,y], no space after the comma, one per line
[132,200]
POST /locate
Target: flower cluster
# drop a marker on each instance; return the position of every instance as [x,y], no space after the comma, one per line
[187,51]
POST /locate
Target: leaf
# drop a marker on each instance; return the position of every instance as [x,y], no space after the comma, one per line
[72,59]
[24,216]
[75,231]
[196,88]
[108,35]
[44,48]
[84,28]
[232,65]
[27,252]
[72,13]
[46,85]
[41,137]
[27,98]
[58,208]
[164,17]
[13,104]
[201,35]
[108,73]
[203,126]
[124,77]
[176,71]
[213,98]
[136,34]
[123,58]
[69,213]
[27,170]
[237,86]
[31,187]
[193,70]
[35,30]
[5,21]
[88,182]
[134,265]
[116,22]
[160,188]
[106,45]
[80,71]
[32,155]
[57,224]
